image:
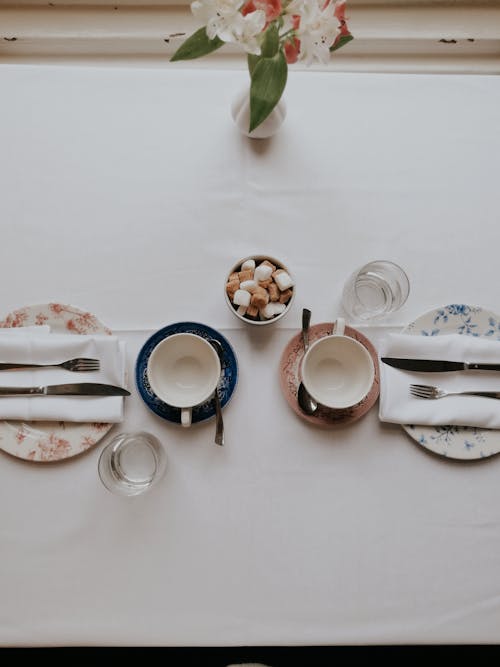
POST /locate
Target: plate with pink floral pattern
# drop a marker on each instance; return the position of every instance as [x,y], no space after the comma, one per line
[45,441]
[290,378]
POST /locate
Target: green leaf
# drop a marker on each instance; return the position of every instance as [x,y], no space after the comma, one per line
[271,42]
[196,46]
[268,83]
[252,62]
[344,39]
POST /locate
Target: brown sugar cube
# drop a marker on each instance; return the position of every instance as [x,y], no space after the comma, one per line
[231,288]
[260,298]
[268,263]
[233,276]
[285,296]
[274,293]
[265,283]
[245,275]
[252,311]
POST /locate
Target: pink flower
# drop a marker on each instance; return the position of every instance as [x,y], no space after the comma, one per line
[339,11]
[271,8]
[292,49]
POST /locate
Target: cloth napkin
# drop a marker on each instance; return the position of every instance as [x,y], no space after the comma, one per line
[23,331]
[396,404]
[33,346]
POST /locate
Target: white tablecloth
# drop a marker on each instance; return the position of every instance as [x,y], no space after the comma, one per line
[128,192]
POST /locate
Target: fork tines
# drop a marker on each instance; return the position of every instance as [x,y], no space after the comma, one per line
[82,364]
[423,391]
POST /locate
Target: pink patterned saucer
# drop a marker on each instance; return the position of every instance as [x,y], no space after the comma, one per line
[290,378]
[45,440]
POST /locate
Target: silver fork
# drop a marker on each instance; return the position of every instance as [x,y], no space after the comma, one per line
[79,365]
[427,391]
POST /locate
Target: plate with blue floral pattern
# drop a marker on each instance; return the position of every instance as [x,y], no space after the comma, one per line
[227,382]
[457,442]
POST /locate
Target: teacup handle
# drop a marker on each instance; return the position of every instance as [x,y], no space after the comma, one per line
[339,327]
[186,417]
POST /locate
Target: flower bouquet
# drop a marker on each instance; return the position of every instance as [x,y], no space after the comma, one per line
[274,34]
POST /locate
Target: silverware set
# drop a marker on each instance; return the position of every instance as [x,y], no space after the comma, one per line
[431,392]
[78,365]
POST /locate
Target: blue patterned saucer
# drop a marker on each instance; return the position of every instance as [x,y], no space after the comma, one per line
[227,382]
[456,442]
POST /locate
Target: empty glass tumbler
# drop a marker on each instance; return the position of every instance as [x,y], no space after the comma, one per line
[132,463]
[375,290]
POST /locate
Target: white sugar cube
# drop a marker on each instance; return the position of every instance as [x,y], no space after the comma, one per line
[262,272]
[248,285]
[279,308]
[283,280]
[241,310]
[272,309]
[249,264]
[268,311]
[241,298]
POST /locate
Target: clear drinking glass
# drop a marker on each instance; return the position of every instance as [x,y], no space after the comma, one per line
[375,290]
[132,463]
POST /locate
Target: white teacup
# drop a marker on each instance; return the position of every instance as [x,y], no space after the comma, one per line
[338,371]
[183,371]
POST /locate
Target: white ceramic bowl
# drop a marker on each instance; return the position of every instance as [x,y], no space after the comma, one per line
[338,371]
[258,259]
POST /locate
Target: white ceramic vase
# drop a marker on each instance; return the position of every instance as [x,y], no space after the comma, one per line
[240,111]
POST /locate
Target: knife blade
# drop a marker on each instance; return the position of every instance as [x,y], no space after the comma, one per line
[76,389]
[436,366]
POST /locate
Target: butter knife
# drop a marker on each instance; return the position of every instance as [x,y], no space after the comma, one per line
[435,366]
[77,389]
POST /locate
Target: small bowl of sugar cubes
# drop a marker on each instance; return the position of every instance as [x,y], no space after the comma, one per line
[259,289]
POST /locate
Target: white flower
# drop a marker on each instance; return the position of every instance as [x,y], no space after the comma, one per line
[217,15]
[248,30]
[317,30]
[224,20]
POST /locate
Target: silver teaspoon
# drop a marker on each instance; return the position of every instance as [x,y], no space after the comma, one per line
[219,422]
[306,401]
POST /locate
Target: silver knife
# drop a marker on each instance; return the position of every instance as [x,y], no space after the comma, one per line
[77,389]
[435,366]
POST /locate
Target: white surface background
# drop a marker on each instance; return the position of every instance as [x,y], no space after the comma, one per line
[130,193]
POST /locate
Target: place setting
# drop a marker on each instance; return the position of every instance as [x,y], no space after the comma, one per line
[437,377]
[63,379]
[440,381]
[62,382]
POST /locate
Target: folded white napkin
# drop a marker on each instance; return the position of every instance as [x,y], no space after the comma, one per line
[23,331]
[21,345]
[396,404]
